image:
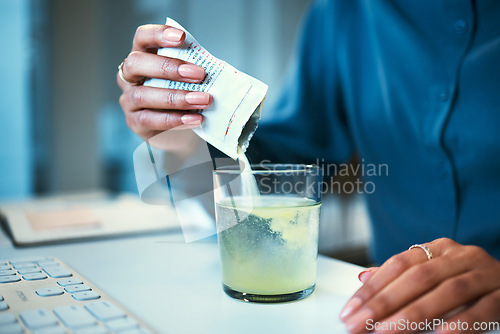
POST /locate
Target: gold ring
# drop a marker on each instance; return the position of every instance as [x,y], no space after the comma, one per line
[120,73]
[425,249]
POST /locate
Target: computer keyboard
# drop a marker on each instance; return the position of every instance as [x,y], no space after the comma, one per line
[42,295]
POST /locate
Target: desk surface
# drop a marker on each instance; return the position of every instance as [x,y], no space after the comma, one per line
[176,287]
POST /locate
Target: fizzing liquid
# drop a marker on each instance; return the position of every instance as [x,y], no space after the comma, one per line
[273,247]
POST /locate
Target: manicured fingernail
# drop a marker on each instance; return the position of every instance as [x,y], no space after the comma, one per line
[173,35]
[359,321]
[191,71]
[366,274]
[192,119]
[197,98]
[363,276]
[351,306]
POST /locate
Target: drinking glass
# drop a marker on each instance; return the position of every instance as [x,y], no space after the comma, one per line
[267,229]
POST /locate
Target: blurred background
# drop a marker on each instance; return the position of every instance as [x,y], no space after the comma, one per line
[61,127]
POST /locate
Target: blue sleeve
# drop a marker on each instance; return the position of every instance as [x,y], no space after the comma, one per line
[308,121]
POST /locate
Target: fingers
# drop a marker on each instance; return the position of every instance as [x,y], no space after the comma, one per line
[423,289]
[150,37]
[464,289]
[481,317]
[389,271]
[410,285]
[150,110]
[141,97]
[147,123]
[141,65]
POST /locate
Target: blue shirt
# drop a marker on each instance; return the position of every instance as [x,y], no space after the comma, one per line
[414,85]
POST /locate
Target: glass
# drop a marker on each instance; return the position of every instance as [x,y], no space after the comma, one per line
[267,230]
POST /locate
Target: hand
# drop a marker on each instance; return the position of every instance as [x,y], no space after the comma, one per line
[409,288]
[149,111]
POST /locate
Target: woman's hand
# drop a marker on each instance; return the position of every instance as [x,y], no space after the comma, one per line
[410,289]
[149,110]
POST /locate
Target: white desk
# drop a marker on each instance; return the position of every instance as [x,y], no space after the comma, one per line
[176,288]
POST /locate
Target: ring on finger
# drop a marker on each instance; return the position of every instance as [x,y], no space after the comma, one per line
[424,248]
[120,74]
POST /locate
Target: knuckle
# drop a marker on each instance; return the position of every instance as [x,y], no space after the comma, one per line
[142,120]
[171,99]
[167,120]
[446,242]
[132,61]
[397,262]
[457,286]
[423,274]
[167,67]
[171,120]
[475,251]
[137,97]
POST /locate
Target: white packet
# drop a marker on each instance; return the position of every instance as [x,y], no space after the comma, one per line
[232,118]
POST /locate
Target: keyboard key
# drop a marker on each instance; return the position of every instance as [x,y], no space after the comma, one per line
[7,272]
[3,306]
[91,330]
[50,330]
[74,316]
[29,270]
[11,329]
[86,295]
[34,276]
[48,292]
[121,324]
[7,318]
[4,266]
[57,271]
[47,263]
[104,310]
[34,319]
[69,281]
[77,288]
[9,279]
[24,265]
[30,259]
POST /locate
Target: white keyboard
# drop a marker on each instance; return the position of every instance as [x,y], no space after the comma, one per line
[44,296]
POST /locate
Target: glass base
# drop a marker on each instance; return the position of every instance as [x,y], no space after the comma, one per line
[254,298]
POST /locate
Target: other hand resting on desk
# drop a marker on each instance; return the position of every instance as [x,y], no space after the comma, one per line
[409,288]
